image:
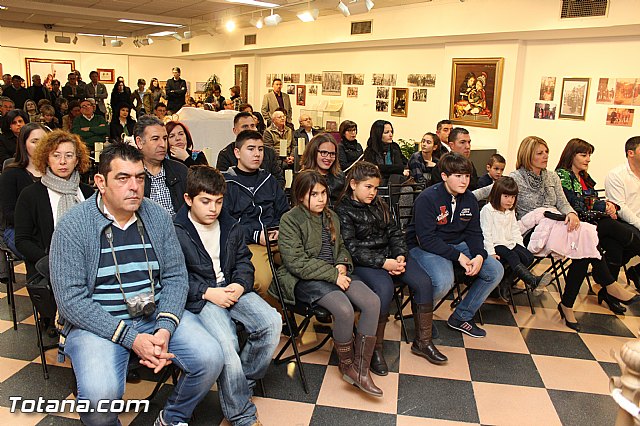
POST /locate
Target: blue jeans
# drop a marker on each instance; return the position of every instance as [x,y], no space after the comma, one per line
[263,325]
[100,367]
[441,272]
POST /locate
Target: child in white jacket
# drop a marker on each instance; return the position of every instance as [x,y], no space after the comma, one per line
[502,238]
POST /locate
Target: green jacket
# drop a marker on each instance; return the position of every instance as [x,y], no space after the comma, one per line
[300,241]
[98,129]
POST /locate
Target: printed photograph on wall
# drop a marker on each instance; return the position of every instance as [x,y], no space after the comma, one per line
[399,102]
[312,90]
[267,80]
[547,88]
[291,89]
[301,95]
[295,78]
[382,105]
[331,126]
[627,91]
[353,79]
[286,78]
[313,78]
[352,92]
[606,91]
[419,95]
[421,80]
[241,79]
[573,104]
[49,69]
[545,111]
[620,117]
[382,93]
[475,91]
[383,80]
[332,83]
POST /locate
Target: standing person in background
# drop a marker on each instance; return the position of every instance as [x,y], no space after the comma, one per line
[137,98]
[176,90]
[98,92]
[37,91]
[72,91]
[55,94]
[152,96]
[16,92]
[119,95]
[274,100]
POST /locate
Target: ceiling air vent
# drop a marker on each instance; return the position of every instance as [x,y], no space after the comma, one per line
[361,27]
[250,39]
[185,47]
[584,8]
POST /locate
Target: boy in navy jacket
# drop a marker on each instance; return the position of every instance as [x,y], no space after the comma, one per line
[445,229]
[221,291]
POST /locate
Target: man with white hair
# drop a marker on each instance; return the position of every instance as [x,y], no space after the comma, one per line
[305,130]
[278,131]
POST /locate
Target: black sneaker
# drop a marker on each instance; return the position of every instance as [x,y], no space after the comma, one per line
[468,327]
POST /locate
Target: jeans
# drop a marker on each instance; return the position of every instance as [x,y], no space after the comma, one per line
[441,272]
[100,367]
[379,280]
[263,325]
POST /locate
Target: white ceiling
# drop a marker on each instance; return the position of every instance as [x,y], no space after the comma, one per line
[101,16]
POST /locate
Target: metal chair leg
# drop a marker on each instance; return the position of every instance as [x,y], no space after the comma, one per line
[43,359]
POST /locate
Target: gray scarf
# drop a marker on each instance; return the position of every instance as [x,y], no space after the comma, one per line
[68,189]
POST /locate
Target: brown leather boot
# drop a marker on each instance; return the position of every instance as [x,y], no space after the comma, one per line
[378,363]
[423,344]
[362,359]
[345,358]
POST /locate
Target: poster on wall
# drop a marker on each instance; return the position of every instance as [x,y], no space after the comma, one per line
[382,105]
[606,91]
[383,80]
[547,88]
[475,91]
[620,117]
[420,95]
[421,80]
[573,104]
[353,79]
[49,69]
[352,92]
[301,95]
[241,79]
[545,111]
[399,102]
[332,83]
[627,91]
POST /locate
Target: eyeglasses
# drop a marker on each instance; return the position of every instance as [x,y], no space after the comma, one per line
[330,154]
[68,156]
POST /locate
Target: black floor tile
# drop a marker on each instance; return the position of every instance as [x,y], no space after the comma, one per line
[333,416]
[541,300]
[633,309]
[21,343]
[580,409]
[447,336]
[392,355]
[497,314]
[611,368]
[58,421]
[608,325]
[503,367]
[30,384]
[24,309]
[436,398]
[208,411]
[555,343]
[284,383]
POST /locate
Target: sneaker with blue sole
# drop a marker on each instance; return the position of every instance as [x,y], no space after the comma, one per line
[467,327]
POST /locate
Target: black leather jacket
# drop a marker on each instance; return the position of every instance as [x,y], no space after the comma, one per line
[366,235]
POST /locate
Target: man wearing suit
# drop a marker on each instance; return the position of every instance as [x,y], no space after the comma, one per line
[305,130]
[274,100]
[97,91]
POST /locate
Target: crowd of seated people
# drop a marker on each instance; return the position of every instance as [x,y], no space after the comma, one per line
[337,246]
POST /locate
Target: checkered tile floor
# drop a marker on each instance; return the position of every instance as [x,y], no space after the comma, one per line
[530,369]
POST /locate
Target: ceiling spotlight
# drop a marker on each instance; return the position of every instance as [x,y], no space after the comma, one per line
[273,19]
[75,39]
[308,15]
[355,7]
[62,39]
[116,43]
[104,41]
[230,25]
[257,22]
[188,34]
[176,36]
[150,40]
[136,43]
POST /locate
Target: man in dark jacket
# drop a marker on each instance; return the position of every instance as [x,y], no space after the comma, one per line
[445,228]
[16,92]
[221,291]
[176,90]
[165,180]
[37,91]
[227,157]
[255,199]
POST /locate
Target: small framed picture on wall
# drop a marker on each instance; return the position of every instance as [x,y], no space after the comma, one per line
[301,94]
[573,104]
[399,102]
[106,75]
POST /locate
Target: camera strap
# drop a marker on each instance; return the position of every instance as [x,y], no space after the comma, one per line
[109,234]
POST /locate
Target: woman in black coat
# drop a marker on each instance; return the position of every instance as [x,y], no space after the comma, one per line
[350,149]
[120,95]
[121,123]
[12,122]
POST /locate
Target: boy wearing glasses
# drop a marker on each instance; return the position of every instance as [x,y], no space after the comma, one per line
[254,199]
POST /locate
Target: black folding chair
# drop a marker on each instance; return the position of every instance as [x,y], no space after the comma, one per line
[308,312]
[10,260]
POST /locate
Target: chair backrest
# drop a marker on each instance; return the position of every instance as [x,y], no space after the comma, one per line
[7,162]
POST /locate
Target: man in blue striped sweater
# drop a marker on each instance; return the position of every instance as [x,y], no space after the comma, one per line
[120,282]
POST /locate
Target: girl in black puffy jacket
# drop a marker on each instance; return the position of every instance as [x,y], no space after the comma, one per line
[380,256]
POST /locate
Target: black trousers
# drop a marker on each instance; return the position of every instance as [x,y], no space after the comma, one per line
[515,256]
